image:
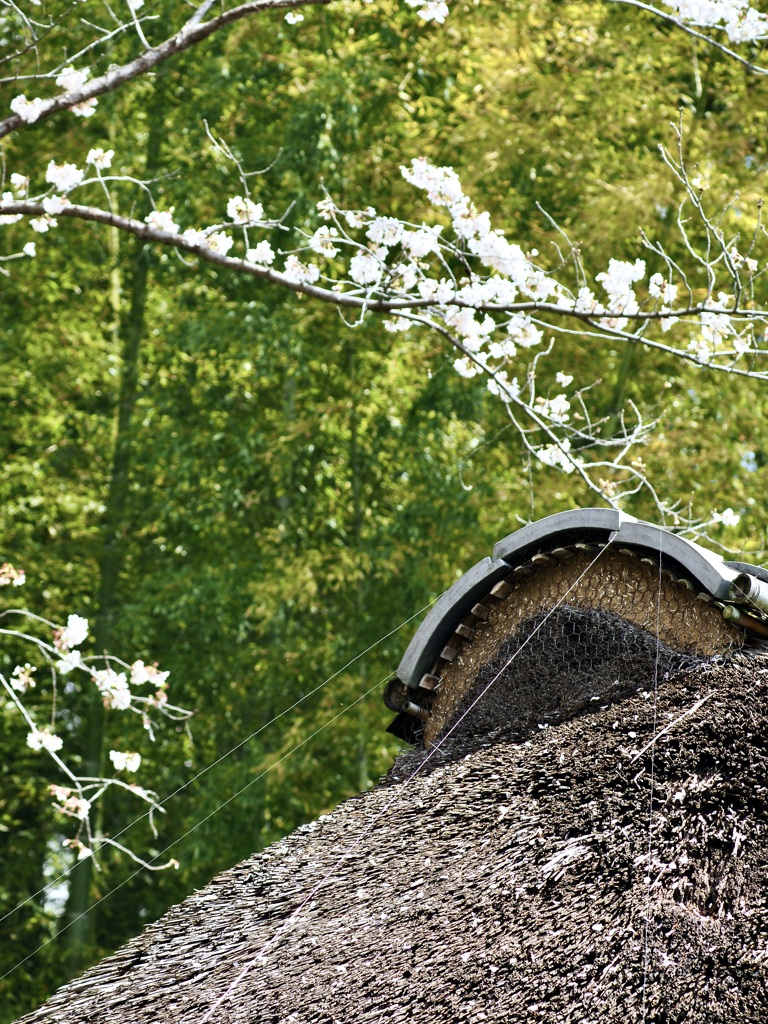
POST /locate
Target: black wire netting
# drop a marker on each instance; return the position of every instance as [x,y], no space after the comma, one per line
[575,632]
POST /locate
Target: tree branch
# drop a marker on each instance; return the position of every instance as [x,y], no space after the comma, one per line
[678,23]
[190,34]
[591,319]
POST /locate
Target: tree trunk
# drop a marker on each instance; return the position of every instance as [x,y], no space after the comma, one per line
[363,769]
[79,920]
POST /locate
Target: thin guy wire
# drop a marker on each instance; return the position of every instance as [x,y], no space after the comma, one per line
[650,797]
[197,825]
[398,796]
[223,757]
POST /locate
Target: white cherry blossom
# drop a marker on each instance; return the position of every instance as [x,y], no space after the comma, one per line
[68,802]
[162,220]
[28,110]
[430,10]
[141,674]
[466,367]
[358,218]
[300,272]
[22,677]
[555,409]
[727,517]
[194,236]
[9,218]
[523,331]
[219,242]
[557,456]
[129,762]
[422,242]
[365,268]
[11,576]
[742,22]
[113,687]
[70,79]
[101,159]
[660,288]
[55,204]
[385,231]
[399,325]
[326,208]
[242,210]
[502,387]
[63,176]
[71,635]
[70,661]
[619,278]
[441,184]
[20,184]
[263,253]
[44,739]
[322,242]
[42,224]
[85,109]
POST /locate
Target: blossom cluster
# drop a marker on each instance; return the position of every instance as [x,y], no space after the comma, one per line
[464,277]
[23,677]
[741,22]
[120,690]
[69,80]
[430,10]
[44,739]
[72,635]
[11,576]
[727,517]
[69,802]
[128,762]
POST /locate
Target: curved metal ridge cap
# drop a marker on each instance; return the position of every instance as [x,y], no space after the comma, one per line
[752,570]
[585,524]
[443,617]
[595,525]
[704,566]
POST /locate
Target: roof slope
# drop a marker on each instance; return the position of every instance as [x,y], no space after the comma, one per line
[510,881]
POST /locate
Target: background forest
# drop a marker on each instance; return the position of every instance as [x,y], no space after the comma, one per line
[227,479]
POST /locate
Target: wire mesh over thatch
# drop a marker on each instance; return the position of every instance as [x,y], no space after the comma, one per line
[604,861]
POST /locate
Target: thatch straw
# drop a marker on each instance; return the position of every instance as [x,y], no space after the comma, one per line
[509,881]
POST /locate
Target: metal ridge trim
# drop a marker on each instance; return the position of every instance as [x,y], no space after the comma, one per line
[704,566]
[444,616]
[595,525]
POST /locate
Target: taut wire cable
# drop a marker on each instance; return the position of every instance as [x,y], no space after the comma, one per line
[229,991]
[646,923]
[224,756]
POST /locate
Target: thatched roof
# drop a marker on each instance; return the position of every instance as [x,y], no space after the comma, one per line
[515,878]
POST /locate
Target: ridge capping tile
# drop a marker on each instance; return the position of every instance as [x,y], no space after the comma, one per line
[706,567]
[441,621]
[577,524]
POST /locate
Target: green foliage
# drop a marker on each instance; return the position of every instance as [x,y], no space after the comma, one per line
[297,488]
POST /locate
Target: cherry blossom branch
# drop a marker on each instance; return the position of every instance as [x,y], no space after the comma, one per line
[376,302]
[559,452]
[76,799]
[485,295]
[171,863]
[104,38]
[688,27]
[191,33]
